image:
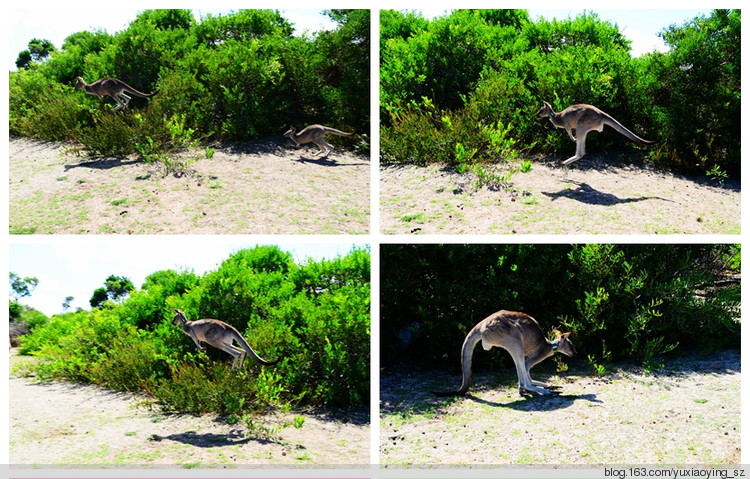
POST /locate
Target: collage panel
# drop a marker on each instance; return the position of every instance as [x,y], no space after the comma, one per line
[560,121]
[190,122]
[591,354]
[204,354]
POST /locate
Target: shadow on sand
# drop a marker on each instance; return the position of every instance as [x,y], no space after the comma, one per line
[586,194]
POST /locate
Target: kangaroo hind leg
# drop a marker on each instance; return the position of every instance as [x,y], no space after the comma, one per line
[236,353]
[122,101]
[580,147]
[524,379]
[324,146]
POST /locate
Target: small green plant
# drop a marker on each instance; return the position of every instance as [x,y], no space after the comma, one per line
[485,178]
[298,422]
[718,174]
[181,136]
[599,366]
[462,156]
[260,427]
[560,365]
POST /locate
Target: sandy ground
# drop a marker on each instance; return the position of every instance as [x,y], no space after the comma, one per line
[685,413]
[61,423]
[248,188]
[595,196]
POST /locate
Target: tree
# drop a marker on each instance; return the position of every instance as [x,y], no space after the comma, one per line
[23,60]
[99,297]
[115,288]
[21,287]
[38,51]
[66,303]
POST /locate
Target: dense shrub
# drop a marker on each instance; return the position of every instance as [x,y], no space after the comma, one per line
[699,78]
[238,76]
[619,301]
[447,83]
[315,316]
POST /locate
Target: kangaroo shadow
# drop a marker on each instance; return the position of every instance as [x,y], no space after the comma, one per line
[326,161]
[104,163]
[586,194]
[532,402]
[232,438]
[320,161]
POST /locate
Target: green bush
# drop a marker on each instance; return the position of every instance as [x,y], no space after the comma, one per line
[699,78]
[314,316]
[239,76]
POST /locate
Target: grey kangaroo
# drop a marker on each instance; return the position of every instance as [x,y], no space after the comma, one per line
[315,134]
[219,335]
[522,337]
[113,88]
[583,119]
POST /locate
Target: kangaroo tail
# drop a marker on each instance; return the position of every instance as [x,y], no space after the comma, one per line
[252,353]
[467,351]
[625,132]
[337,132]
[137,93]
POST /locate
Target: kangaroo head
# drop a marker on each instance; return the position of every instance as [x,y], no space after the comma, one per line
[290,132]
[562,344]
[179,317]
[545,111]
[80,83]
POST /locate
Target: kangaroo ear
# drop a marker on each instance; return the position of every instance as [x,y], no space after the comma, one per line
[557,334]
[565,335]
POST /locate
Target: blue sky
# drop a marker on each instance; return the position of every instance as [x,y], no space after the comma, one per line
[76,266]
[59,20]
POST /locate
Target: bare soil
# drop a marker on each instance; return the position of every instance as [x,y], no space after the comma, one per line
[597,195]
[244,188]
[61,423]
[686,413]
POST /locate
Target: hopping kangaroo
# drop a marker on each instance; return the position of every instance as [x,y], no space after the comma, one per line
[113,88]
[583,119]
[315,134]
[219,335]
[522,337]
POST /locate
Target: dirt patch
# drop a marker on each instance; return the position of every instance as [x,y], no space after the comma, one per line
[592,197]
[61,423]
[685,413]
[244,188]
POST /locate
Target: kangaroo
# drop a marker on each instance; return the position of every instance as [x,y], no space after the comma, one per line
[219,335]
[315,134]
[522,337]
[113,88]
[583,119]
